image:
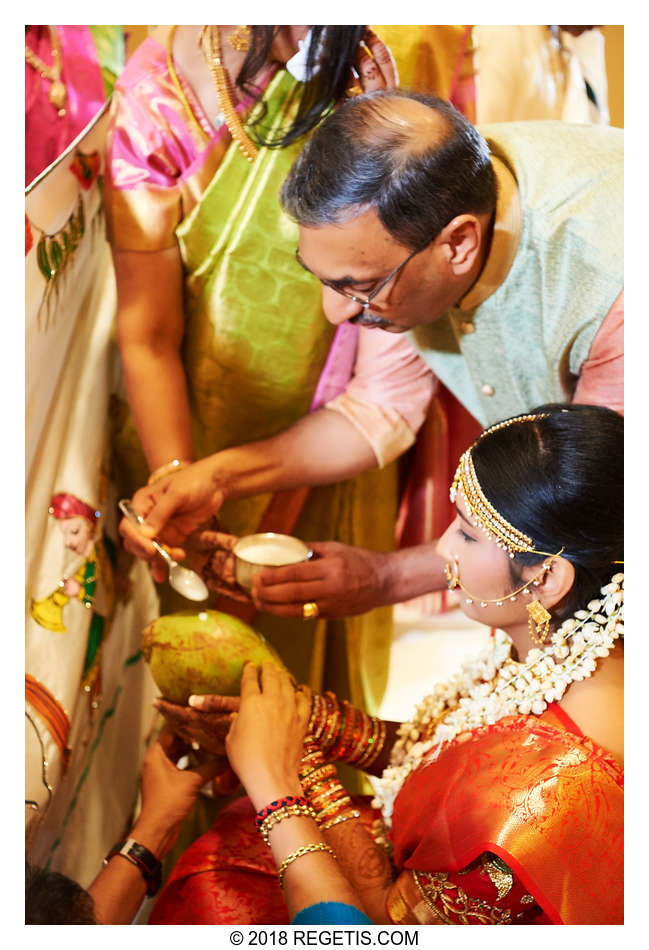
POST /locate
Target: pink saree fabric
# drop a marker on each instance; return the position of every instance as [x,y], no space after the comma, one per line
[47,134]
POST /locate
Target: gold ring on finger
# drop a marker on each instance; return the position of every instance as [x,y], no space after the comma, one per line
[309,610]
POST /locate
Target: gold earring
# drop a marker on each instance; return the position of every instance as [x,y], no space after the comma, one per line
[240,39]
[538,622]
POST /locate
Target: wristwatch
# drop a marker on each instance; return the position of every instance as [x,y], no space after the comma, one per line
[141,857]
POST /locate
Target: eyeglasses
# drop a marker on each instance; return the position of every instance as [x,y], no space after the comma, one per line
[363,301]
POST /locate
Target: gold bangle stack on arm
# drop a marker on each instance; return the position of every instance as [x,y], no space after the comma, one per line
[310,609]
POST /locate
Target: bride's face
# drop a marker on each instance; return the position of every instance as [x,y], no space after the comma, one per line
[485,571]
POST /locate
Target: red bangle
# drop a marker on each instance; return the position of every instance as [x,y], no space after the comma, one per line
[278,803]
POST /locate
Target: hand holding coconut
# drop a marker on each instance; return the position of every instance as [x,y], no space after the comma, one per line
[265,741]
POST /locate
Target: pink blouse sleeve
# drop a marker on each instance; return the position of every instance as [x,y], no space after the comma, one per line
[151,147]
[388,395]
[601,381]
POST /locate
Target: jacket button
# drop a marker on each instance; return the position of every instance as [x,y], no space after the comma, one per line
[467,327]
[488,390]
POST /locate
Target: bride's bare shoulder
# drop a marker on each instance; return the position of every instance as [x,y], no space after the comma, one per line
[596,704]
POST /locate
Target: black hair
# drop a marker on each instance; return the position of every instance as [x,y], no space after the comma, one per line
[416,179]
[53,898]
[330,57]
[560,480]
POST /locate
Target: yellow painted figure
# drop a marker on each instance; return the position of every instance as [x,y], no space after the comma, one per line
[78,524]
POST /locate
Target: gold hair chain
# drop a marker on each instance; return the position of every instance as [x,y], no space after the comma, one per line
[482,513]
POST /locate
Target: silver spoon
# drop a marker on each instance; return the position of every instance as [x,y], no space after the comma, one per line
[188,583]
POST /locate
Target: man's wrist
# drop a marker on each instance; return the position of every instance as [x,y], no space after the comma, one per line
[387,574]
[158,837]
[142,858]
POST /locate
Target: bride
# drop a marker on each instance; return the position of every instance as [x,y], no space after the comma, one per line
[500,801]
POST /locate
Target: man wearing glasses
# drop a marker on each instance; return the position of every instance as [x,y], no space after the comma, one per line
[502,256]
[513,283]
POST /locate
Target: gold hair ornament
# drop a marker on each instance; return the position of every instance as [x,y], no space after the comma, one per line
[482,513]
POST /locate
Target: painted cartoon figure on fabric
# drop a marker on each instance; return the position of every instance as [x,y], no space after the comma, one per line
[91,583]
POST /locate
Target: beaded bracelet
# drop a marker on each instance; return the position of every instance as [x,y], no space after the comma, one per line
[288,811]
[307,849]
[276,805]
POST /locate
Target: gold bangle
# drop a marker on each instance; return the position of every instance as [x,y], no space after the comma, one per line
[333,808]
[377,745]
[289,811]
[339,820]
[320,774]
[368,753]
[319,846]
[168,468]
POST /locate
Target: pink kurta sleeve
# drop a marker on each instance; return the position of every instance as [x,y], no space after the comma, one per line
[389,393]
[601,381]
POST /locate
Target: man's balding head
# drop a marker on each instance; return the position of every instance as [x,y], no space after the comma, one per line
[414,159]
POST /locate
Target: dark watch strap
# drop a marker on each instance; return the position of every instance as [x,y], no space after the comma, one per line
[141,857]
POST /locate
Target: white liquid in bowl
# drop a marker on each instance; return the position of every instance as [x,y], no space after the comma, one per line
[266,550]
[270,553]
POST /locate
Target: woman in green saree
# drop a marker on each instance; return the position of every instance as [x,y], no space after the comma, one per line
[221,334]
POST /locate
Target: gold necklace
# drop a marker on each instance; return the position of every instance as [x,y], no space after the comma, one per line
[178,85]
[58,93]
[210,44]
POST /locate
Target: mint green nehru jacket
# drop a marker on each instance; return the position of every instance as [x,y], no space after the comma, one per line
[519,340]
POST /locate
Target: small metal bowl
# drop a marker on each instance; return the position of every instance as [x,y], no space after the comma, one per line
[256,552]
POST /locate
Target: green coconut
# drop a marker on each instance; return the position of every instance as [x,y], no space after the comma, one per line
[196,652]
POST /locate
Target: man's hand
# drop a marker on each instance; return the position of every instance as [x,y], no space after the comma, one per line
[341,580]
[169,793]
